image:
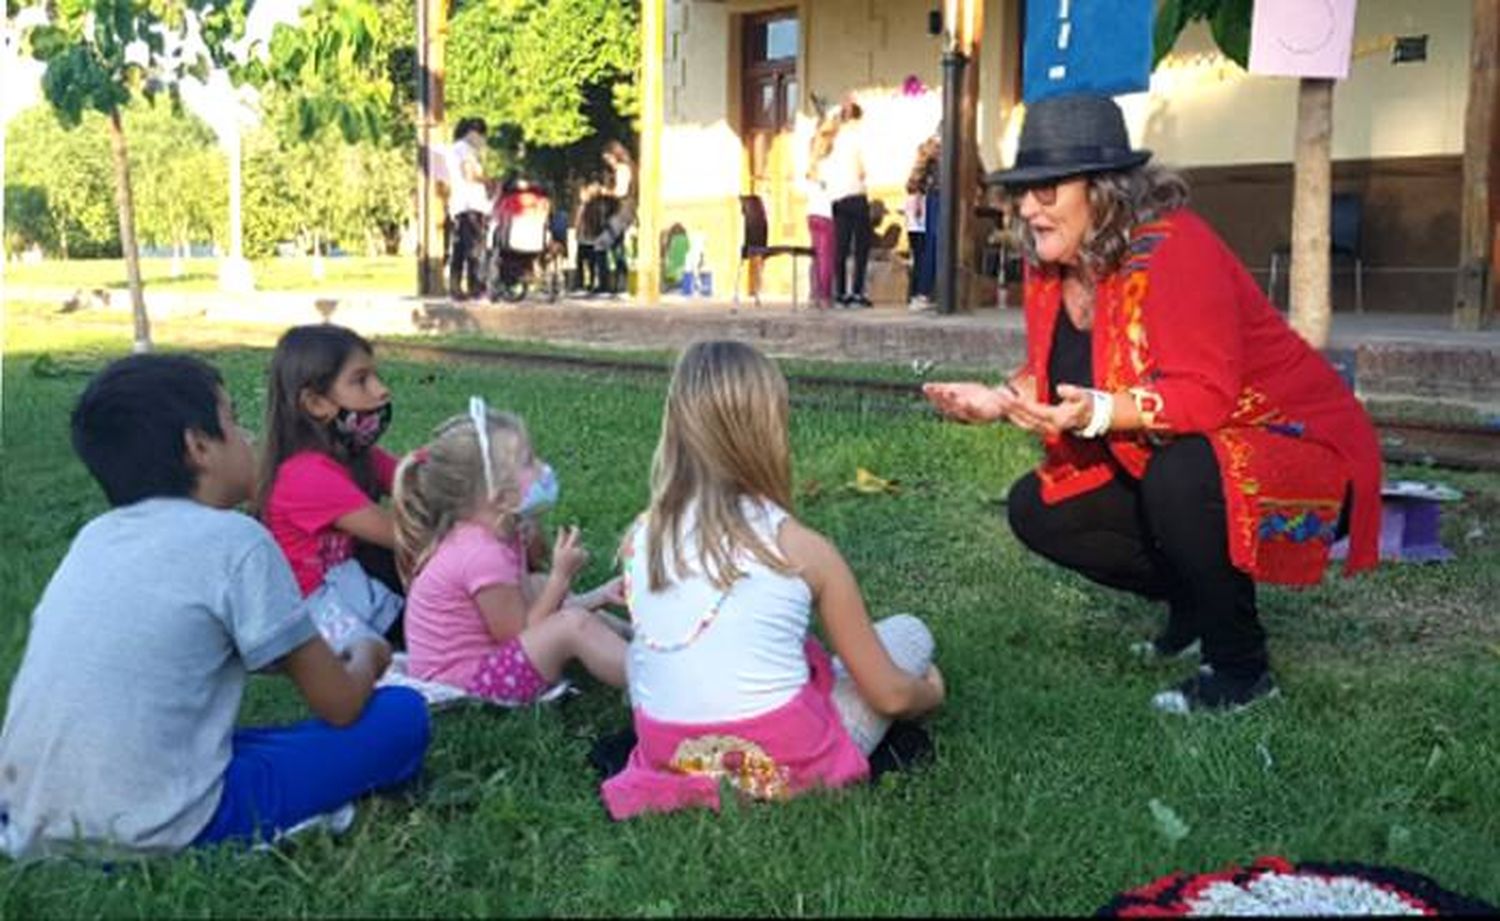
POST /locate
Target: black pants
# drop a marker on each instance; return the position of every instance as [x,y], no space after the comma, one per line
[917,241]
[851,234]
[468,255]
[587,268]
[1165,537]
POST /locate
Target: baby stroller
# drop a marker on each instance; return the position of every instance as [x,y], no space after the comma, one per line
[518,237]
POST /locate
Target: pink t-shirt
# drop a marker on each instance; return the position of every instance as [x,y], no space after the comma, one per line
[310,493]
[446,636]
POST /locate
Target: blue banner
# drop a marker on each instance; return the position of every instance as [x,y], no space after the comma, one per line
[1087,46]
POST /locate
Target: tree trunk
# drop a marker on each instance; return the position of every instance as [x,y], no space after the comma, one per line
[1311,313]
[126,207]
[317,257]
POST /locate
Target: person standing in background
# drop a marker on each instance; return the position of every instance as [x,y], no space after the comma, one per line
[611,243]
[923,210]
[844,177]
[468,206]
[820,227]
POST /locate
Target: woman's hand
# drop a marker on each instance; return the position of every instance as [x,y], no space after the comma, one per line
[1073,412]
[970,401]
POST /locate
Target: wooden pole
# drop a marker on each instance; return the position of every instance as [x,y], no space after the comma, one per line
[432,35]
[1479,258]
[968,160]
[648,241]
[1311,315]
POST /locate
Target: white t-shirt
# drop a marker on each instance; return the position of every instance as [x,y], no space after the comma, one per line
[818,202]
[118,729]
[916,214]
[747,661]
[468,194]
[843,169]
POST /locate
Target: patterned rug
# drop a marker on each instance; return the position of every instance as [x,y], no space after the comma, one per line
[1275,887]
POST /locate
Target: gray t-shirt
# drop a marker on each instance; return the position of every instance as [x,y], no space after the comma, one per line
[118,729]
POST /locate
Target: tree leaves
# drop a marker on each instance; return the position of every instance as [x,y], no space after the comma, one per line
[333,65]
[531,64]
[1229,21]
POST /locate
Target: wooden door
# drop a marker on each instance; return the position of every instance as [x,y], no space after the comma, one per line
[771,97]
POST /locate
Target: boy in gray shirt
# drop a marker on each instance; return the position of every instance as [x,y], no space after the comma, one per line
[119,734]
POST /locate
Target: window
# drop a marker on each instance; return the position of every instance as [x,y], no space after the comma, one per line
[772,39]
[780,40]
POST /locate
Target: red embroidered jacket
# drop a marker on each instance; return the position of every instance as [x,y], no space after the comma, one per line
[1185,330]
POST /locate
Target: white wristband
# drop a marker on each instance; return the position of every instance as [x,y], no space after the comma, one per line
[1101,414]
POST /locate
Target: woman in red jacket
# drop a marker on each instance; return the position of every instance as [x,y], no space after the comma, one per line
[1194,445]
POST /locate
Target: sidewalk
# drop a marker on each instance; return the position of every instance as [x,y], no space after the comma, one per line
[1405,355]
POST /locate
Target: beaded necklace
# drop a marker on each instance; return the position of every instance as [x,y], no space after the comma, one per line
[692,636]
[698,630]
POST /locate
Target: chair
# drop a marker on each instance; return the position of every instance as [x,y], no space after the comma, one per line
[1346,219]
[755,246]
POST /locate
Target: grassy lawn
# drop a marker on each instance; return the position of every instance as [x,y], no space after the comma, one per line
[1384,749]
[397,274]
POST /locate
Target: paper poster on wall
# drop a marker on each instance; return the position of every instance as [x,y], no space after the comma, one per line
[1087,46]
[1302,38]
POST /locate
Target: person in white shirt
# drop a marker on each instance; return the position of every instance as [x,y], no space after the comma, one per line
[723,582]
[612,271]
[468,206]
[844,177]
[820,214]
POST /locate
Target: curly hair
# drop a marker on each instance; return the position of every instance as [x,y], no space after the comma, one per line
[1119,201]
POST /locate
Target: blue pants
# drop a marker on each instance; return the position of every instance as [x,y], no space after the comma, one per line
[927,267]
[284,775]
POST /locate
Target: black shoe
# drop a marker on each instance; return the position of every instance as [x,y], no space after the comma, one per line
[859,300]
[1212,692]
[843,300]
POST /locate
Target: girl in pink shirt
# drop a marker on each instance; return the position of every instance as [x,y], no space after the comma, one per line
[322,475]
[476,618]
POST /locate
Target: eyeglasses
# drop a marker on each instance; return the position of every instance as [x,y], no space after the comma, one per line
[1045,192]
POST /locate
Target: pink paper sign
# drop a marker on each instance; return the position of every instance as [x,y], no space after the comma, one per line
[1302,38]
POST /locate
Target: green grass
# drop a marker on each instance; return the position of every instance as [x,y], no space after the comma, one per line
[396,274]
[1384,749]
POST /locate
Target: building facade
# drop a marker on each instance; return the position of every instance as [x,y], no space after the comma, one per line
[742,79]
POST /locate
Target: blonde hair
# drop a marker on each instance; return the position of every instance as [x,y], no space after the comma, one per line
[723,438]
[440,485]
[822,144]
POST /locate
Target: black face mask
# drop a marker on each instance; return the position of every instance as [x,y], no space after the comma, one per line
[357,430]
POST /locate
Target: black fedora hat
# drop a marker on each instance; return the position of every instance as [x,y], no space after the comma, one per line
[1067,136]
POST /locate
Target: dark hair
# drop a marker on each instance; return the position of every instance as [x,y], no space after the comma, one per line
[465,125]
[307,358]
[1119,202]
[128,425]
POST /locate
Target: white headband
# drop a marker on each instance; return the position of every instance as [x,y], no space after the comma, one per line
[479,414]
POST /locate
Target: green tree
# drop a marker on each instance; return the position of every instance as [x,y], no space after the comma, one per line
[101,54]
[1229,21]
[554,78]
[180,177]
[340,103]
[268,217]
[59,179]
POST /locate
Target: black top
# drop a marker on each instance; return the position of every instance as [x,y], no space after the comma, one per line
[1072,360]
